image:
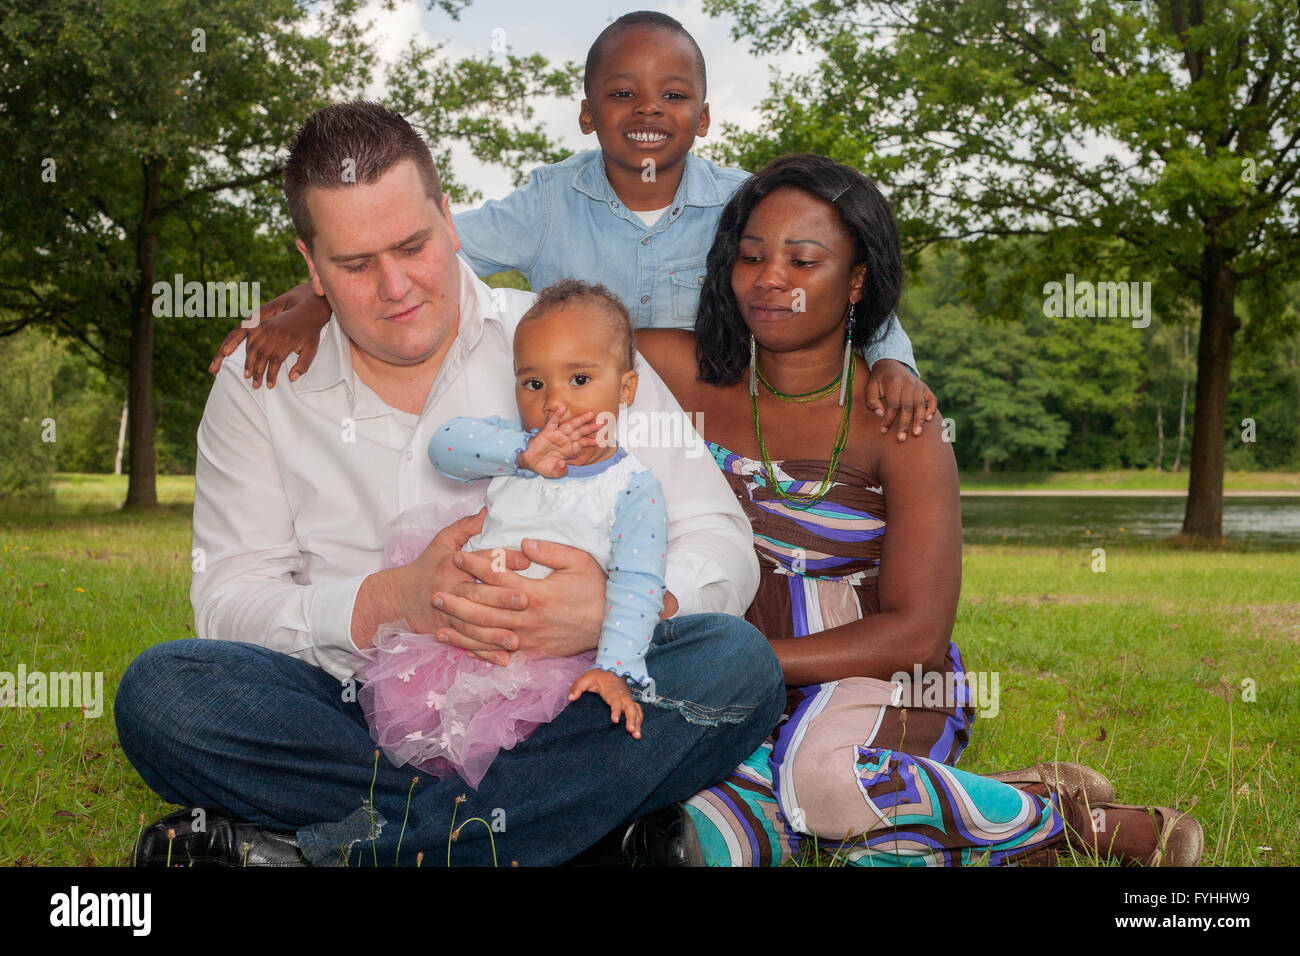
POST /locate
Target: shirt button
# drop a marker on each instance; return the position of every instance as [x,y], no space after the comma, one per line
[677,210]
[645,241]
[409,454]
[645,300]
[701,280]
[613,205]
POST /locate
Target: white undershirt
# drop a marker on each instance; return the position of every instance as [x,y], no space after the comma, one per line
[649,216]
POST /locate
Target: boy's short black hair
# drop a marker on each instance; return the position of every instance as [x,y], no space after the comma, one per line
[564,291]
[641,18]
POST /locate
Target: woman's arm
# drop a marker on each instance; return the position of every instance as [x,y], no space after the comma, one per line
[920,576]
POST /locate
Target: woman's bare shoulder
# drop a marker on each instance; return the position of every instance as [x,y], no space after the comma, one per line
[671,353]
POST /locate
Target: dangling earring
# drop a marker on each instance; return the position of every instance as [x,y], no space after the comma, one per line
[753,366]
[848,356]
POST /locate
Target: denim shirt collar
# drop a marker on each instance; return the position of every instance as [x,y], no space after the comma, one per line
[698,187]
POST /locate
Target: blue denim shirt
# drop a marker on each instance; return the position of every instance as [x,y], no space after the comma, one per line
[568,222]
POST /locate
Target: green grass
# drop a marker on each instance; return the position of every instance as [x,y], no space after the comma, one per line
[1136,659]
[1130,479]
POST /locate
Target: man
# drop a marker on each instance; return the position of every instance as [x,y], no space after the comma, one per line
[293,490]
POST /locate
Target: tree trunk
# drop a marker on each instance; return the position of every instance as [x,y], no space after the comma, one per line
[142,487]
[1204,516]
[988,465]
[121,441]
[1182,406]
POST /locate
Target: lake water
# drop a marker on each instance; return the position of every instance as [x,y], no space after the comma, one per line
[1266,523]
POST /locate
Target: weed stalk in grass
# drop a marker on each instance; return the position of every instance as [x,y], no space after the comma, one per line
[454,832]
[402,835]
[371,807]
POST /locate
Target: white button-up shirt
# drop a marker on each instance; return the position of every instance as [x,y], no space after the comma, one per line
[294,486]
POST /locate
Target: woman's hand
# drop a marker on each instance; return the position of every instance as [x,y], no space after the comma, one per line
[613,690]
[892,390]
[290,322]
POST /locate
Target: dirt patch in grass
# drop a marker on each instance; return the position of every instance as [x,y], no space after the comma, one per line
[1277,622]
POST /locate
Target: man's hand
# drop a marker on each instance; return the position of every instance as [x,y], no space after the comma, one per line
[893,389]
[408,592]
[291,322]
[613,689]
[558,616]
[550,450]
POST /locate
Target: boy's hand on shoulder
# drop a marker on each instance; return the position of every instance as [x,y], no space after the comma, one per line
[291,322]
[614,691]
[550,450]
[894,393]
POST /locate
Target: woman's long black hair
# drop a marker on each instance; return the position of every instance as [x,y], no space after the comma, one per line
[721,336]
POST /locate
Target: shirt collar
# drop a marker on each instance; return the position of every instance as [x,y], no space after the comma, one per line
[699,187]
[333,362]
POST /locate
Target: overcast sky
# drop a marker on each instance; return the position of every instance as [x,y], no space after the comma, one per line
[563,30]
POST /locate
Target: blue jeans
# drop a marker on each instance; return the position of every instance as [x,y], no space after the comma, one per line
[271,739]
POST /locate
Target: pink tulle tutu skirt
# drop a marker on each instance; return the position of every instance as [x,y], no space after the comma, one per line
[443,710]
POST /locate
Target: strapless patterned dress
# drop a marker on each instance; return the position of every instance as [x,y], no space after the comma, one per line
[864,764]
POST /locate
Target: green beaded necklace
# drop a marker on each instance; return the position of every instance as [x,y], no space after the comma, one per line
[800,397]
[804,500]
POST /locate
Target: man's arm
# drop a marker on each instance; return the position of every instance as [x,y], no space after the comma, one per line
[247,555]
[248,564]
[711,560]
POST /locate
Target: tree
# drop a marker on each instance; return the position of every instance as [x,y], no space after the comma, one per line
[144,140]
[1153,142]
[989,378]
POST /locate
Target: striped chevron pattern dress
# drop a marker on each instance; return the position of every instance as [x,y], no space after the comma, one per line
[871,778]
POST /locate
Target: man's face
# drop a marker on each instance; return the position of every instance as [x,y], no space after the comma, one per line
[384,255]
[646,100]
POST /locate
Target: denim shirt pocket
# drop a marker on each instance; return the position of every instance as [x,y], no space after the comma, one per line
[688,280]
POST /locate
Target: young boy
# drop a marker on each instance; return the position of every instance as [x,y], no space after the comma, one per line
[638,215]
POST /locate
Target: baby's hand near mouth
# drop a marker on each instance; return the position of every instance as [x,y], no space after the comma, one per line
[559,442]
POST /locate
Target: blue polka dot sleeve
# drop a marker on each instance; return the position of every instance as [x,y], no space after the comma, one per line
[467,449]
[634,593]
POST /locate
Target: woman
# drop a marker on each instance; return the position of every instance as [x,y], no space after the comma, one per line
[806,266]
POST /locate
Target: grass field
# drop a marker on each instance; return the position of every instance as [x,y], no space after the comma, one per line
[1124,480]
[1137,671]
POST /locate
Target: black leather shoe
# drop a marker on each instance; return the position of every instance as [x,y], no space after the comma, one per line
[666,837]
[213,838]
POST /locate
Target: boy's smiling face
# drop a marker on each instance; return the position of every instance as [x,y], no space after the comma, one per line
[646,100]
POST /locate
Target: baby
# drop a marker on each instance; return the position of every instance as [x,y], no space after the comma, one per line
[556,478]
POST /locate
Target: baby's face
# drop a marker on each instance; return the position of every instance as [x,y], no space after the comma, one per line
[569,356]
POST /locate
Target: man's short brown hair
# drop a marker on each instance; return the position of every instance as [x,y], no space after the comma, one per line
[350,143]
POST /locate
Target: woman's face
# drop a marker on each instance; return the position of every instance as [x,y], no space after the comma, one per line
[794,275]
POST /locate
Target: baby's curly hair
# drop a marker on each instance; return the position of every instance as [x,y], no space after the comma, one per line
[565,291]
